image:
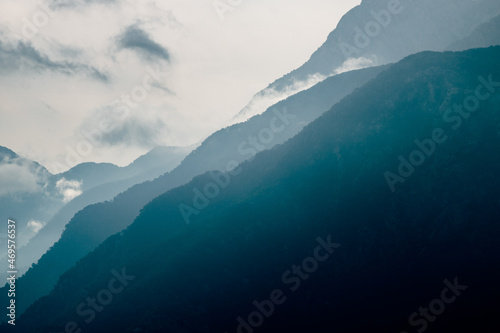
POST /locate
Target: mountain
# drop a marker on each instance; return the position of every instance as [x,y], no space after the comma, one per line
[315,234]
[92,174]
[279,123]
[7,153]
[483,36]
[222,150]
[379,32]
[157,161]
[98,182]
[25,194]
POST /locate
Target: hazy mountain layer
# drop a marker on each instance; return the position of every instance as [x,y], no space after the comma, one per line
[380,215]
[485,35]
[222,150]
[105,186]
[379,32]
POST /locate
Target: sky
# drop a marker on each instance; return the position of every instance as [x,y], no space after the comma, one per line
[107,80]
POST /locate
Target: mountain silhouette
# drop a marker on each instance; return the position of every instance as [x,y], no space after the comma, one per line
[317,226]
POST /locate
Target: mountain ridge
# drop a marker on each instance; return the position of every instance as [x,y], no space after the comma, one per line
[95,223]
[314,185]
[96,182]
[412,27]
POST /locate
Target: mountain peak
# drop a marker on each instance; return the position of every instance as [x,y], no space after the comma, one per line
[6,152]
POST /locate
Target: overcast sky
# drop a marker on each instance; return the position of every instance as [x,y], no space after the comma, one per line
[136,74]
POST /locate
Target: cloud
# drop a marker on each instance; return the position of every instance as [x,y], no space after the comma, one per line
[145,129]
[352,64]
[69,189]
[270,96]
[214,67]
[19,176]
[134,38]
[35,226]
[137,132]
[32,229]
[15,56]
[61,4]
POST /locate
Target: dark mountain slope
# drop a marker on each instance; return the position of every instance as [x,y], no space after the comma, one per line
[101,186]
[396,247]
[95,223]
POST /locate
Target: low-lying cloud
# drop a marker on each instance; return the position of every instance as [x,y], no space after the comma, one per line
[270,96]
[32,229]
[18,176]
[353,64]
[69,189]
[35,226]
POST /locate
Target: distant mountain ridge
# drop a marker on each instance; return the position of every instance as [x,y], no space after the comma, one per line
[240,142]
[95,174]
[91,225]
[228,146]
[485,35]
[26,193]
[6,152]
[96,182]
[379,32]
[392,247]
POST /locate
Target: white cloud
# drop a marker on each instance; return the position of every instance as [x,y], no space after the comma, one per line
[18,176]
[352,64]
[268,97]
[35,226]
[69,189]
[214,67]
[32,229]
